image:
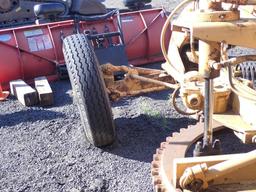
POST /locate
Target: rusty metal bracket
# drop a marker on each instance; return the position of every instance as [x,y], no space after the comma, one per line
[135,81]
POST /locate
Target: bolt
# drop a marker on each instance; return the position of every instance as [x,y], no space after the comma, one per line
[217,144]
[222,16]
[194,101]
[198,146]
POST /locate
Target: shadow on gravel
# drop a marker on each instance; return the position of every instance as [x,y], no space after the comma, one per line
[62,93]
[230,143]
[156,96]
[161,95]
[138,138]
[31,115]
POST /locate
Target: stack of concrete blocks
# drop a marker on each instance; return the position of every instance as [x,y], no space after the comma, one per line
[29,96]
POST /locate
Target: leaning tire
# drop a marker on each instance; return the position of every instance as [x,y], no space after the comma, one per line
[89,90]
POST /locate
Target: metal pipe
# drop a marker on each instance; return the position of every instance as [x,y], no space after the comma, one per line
[103,35]
[208,51]
[145,79]
[233,61]
[208,112]
[119,25]
[148,71]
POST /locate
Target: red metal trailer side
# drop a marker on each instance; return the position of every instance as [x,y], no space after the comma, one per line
[31,51]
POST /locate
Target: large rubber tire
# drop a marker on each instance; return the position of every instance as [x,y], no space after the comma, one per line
[89,90]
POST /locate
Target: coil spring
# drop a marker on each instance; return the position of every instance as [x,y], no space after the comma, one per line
[248,71]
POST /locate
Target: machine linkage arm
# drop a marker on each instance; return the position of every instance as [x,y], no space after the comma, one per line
[200,175]
[233,61]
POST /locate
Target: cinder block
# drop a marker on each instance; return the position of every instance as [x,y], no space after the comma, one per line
[44,91]
[24,93]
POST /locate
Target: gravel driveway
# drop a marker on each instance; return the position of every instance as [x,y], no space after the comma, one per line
[43,149]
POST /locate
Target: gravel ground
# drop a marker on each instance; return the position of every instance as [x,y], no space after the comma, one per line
[43,149]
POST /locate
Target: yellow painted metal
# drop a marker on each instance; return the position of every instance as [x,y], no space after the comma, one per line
[240,33]
[214,16]
[240,175]
[208,51]
[193,95]
[212,27]
[207,174]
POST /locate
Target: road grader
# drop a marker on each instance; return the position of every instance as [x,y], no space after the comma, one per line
[222,88]
[216,88]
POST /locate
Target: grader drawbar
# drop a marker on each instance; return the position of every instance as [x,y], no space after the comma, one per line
[216,92]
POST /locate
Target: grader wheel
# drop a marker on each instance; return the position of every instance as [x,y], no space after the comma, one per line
[89,90]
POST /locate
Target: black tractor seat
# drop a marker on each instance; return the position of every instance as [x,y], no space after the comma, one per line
[49,10]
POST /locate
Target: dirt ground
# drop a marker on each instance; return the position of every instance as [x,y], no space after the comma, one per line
[44,149]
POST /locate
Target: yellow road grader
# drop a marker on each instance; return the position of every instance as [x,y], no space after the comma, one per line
[219,91]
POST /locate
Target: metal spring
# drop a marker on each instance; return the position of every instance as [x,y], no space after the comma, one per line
[248,71]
